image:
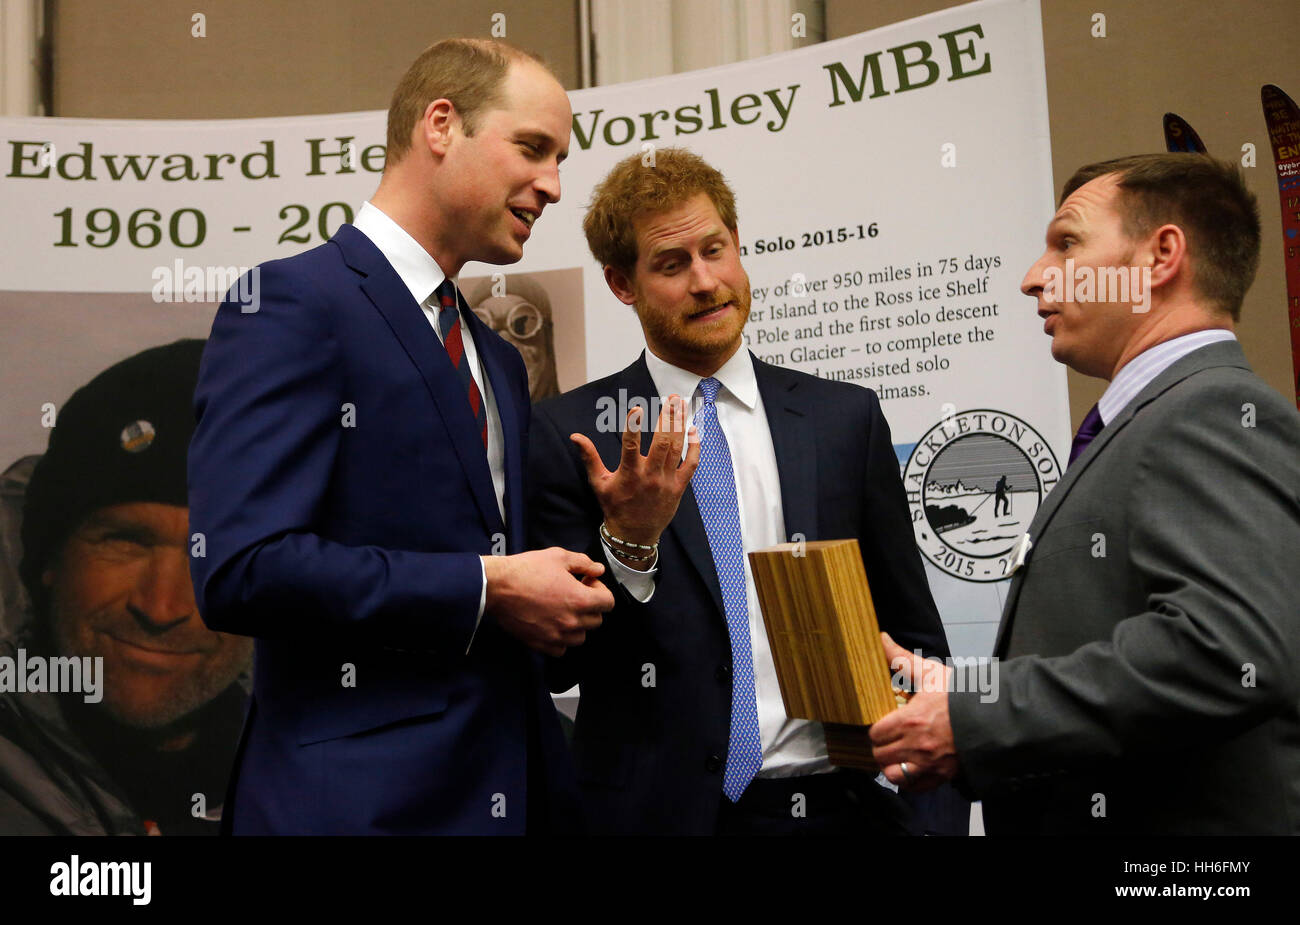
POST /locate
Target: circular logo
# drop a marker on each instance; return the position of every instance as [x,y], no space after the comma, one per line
[137,436]
[974,482]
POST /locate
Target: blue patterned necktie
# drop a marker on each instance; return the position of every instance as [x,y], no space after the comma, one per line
[714,484]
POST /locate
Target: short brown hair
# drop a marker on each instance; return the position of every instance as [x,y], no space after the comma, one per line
[1207,198]
[469,72]
[633,189]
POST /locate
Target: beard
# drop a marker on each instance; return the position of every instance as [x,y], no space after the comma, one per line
[141,700]
[674,337]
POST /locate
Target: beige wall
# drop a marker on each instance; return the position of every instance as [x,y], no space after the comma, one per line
[1203,59]
[136,59]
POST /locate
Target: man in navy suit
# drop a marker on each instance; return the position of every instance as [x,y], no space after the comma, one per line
[356,483]
[681,728]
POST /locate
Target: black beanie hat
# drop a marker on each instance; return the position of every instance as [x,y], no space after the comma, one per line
[120,438]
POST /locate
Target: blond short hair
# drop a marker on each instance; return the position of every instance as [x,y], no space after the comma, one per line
[468,72]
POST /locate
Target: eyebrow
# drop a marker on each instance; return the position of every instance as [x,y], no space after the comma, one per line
[112,524]
[708,238]
[534,134]
[1061,223]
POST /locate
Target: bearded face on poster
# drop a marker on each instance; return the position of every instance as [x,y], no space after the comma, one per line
[105,566]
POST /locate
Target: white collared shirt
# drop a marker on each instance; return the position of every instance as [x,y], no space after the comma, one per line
[421,275]
[791,747]
[1140,371]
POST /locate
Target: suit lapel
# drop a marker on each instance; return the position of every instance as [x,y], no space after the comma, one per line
[688,528]
[790,424]
[390,297]
[1047,509]
[1223,353]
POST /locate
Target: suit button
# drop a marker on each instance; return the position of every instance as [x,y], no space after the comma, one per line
[713,764]
[723,673]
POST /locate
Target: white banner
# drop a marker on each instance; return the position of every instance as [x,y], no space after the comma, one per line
[892,189]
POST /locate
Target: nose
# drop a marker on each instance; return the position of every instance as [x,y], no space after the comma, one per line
[702,280]
[1032,284]
[548,182]
[163,597]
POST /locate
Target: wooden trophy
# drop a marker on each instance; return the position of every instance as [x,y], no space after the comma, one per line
[821,624]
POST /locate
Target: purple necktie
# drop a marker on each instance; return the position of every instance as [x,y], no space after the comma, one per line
[1089,429]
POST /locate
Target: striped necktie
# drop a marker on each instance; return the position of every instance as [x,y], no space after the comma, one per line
[454,340]
[714,484]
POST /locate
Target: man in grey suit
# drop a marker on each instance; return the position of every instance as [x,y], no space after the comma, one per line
[1150,643]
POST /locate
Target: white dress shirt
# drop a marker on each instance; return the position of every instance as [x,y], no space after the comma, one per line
[791,747]
[1139,372]
[421,274]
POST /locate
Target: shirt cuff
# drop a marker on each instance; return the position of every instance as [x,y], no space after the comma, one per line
[641,585]
[482,604]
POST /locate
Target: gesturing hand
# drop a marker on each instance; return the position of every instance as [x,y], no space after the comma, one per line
[641,496]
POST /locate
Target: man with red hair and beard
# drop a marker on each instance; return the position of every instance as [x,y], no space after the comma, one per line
[681,728]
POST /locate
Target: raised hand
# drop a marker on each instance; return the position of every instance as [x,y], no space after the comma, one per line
[640,497]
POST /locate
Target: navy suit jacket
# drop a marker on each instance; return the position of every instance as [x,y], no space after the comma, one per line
[650,758]
[344,498]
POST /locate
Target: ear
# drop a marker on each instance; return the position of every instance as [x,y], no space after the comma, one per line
[439,124]
[621,285]
[1165,252]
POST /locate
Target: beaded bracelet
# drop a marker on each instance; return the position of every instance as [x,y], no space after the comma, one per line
[625,549]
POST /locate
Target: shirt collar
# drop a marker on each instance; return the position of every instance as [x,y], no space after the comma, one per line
[1140,371]
[418,271]
[736,375]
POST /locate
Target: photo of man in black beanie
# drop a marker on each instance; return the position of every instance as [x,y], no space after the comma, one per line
[105,549]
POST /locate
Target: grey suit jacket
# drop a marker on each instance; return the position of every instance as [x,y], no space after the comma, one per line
[1150,680]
